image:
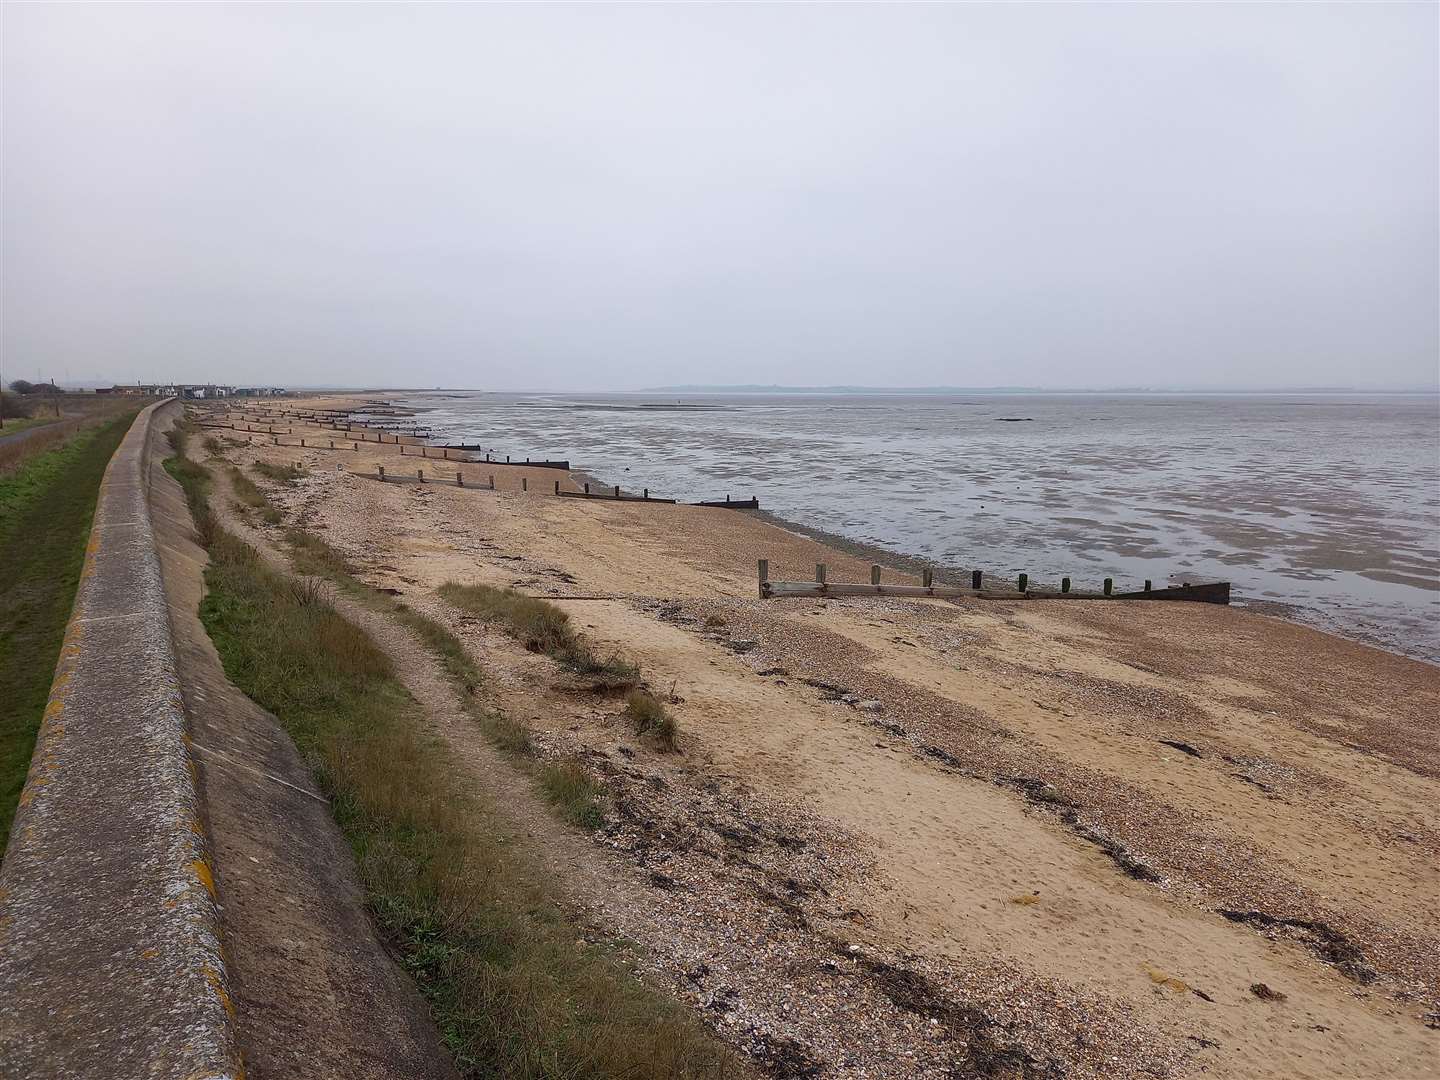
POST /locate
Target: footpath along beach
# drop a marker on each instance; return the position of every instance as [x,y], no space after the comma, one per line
[1039,838]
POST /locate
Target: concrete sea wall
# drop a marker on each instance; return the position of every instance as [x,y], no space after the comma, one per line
[111,962]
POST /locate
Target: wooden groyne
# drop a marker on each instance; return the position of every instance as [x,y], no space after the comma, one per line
[1210,593]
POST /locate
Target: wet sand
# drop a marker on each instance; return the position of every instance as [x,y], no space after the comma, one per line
[1063,838]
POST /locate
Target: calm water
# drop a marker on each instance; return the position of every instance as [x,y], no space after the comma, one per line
[1327,503]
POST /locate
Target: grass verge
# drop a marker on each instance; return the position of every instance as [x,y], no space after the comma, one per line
[541,627]
[472,914]
[565,783]
[46,508]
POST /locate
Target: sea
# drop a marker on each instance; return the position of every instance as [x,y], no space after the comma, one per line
[1324,508]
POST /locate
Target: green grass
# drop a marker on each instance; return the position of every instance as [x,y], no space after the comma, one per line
[573,792]
[541,627]
[469,908]
[14,424]
[652,719]
[250,497]
[576,802]
[281,474]
[46,508]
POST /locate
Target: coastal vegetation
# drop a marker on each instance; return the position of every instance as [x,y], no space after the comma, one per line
[248,494]
[651,718]
[471,911]
[281,474]
[541,627]
[47,502]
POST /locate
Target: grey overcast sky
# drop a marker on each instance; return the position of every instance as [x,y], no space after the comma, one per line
[612,197]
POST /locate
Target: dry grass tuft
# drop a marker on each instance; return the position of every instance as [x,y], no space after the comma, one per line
[573,792]
[541,627]
[281,474]
[652,719]
[251,497]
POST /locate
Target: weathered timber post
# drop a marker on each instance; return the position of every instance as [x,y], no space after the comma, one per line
[587,489]
[382,473]
[492,481]
[1024,582]
[459,478]
[617,491]
[927,578]
[820,573]
[975,578]
[1109,585]
[645,494]
[420,475]
[507,459]
[1064,584]
[524,484]
[332,444]
[1147,584]
[557,487]
[764,576]
[874,569]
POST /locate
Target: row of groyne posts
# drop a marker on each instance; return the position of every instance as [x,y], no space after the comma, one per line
[359,432]
[1209,592]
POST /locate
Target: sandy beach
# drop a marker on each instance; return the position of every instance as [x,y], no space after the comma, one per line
[915,837]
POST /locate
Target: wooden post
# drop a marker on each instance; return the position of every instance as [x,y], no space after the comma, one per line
[1109,585]
[420,475]
[1064,584]
[492,481]
[332,444]
[975,580]
[874,569]
[557,487]
[820,572]
[1147,584]
[764,576]
[459,478]
[646,494]
[507,459]
[587,489]
[382,473]
[302,443]
[927,578]
[617,491]
[1024,582]
[524,484]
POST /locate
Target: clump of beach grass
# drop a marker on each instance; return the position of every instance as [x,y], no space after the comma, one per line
[574,793]
[249,496]
[541,627]
[652,719]
[280,474]
[465,902]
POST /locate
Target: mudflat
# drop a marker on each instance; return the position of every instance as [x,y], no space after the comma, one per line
[1039,838]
